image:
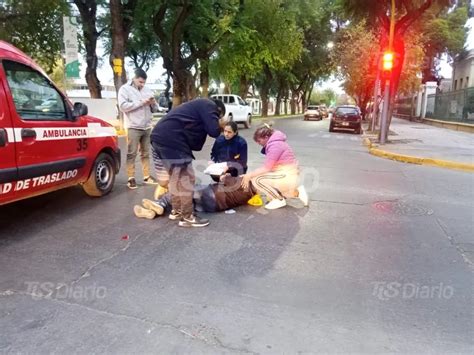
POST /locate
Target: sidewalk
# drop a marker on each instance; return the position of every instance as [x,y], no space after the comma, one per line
[420,143]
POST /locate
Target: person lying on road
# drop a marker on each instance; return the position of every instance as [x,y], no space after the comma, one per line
[214,197]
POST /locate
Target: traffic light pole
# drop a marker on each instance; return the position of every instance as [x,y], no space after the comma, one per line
[384,121]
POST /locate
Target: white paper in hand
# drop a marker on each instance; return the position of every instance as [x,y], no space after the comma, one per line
[216,169]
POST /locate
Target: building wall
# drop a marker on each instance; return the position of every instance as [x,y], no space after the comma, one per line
[463,72]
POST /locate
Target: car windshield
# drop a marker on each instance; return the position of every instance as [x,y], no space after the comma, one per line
[312,107]
[347,110]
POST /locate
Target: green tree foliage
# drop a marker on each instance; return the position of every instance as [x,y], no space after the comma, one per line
[266,40]
[90,34]
[410,79]
[443,33]
[188,31]
[355,55]
[34,26]
[326,96]
[408,15]
[313,20]
[59,78]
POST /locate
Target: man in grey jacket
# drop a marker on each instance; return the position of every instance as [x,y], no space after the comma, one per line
[137,103]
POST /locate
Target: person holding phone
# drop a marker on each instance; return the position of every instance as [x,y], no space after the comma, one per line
[137,103]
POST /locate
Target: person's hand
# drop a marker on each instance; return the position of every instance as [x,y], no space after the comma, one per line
[148,101]
[245,181]
[222,177]
[222,122]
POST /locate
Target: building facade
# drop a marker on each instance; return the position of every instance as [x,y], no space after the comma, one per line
[463,71]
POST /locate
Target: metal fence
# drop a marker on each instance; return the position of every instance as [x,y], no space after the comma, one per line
[455,106]
[405,106]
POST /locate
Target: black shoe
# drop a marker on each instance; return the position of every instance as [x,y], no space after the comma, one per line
[193,221]
[150,180]
[174,215]
[132,184]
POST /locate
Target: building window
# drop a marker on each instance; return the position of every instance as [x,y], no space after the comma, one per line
[460,84]
[467,81]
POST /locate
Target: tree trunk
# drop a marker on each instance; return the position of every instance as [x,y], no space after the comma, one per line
[191,91]
[293,101]
[264,97]
[88,10]
[179,86]
[303,100]
[277,105]
[204,78]
[243,87]
[119,36]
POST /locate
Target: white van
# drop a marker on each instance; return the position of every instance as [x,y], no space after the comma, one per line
[236,109]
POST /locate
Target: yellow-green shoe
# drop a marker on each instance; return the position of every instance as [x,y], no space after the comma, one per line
[159,191]
[141,212]
[151,205]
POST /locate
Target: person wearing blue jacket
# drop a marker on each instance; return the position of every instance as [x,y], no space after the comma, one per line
[183,130]
[232,149]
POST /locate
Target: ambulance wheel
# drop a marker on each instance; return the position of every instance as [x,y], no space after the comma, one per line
[102,177]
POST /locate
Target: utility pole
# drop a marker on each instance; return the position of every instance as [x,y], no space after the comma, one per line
[388,58]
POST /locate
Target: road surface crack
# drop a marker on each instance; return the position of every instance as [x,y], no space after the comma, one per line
[452,241]
[87,273]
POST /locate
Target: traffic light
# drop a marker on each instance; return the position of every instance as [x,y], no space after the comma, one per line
[387,63]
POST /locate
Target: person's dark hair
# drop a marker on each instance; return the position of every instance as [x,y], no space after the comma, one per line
[140,73]
[263,131]
[220,107]
[233,125]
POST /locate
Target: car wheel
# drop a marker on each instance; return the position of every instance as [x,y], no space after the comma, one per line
[230,117]
[248,123]
[331,127]
[102,177]
[358,130]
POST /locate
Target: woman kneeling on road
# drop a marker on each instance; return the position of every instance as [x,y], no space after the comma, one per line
[230,148]
[278,177]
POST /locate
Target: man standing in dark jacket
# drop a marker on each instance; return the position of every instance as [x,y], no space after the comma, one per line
[184,130]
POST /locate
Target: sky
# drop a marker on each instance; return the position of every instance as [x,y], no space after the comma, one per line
[155,72]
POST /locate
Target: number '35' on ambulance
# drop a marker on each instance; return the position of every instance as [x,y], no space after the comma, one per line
[46,142]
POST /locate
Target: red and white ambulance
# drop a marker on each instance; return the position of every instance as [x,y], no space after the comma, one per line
[46,142]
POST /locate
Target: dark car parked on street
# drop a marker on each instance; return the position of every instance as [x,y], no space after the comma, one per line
[346,117]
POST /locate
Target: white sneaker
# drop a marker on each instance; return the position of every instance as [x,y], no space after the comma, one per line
[303,195]
[275,203]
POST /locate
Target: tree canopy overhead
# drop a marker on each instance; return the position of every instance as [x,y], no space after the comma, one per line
[34,26]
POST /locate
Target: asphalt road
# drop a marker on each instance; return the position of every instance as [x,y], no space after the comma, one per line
[381,261]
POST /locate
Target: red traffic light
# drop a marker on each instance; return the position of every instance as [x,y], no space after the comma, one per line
[387,63]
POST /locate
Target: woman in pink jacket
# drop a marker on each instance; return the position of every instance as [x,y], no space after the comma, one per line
[278,177]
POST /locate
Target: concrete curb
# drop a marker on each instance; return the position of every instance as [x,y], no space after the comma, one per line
[447,164]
